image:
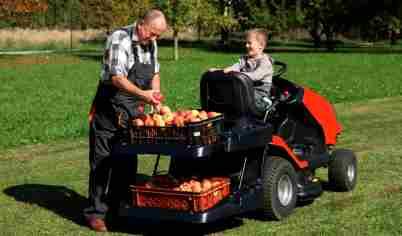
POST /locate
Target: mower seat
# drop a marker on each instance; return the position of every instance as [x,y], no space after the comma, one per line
[231,94]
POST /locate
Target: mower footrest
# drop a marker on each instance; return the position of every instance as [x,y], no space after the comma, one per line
[309,191]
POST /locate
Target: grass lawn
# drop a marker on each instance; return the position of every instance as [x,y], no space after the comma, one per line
[43,187]
[47,97]
[43,148]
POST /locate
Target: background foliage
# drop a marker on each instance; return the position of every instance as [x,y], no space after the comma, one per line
[324,19]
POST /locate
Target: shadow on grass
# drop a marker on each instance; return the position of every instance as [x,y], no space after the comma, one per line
[59,199]
[143,227]
[69,204]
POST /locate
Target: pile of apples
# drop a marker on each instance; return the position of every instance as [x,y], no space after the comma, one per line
[196,185]
[193,184]
[165,117]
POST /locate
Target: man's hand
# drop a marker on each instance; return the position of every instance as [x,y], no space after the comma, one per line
[150,98]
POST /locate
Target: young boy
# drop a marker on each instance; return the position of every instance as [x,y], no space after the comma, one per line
[257,66]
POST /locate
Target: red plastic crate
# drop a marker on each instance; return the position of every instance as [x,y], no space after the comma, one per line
[178,200]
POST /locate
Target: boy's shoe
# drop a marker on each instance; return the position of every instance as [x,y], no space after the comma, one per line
[96,224]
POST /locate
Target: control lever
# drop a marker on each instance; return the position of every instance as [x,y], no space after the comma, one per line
[271,107]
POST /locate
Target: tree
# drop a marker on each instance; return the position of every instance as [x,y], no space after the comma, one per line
[21,11]
[183,14]
[127,11]
[178,14]
[96,14]
[326,17]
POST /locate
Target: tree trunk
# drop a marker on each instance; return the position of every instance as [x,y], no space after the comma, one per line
[315,33]
[224,33]
[330,35]
[199,31]
[176,44]
[393,37]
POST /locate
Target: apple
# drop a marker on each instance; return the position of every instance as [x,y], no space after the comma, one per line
[149,121]
[203,115]
[165,110]
[168,117]
[194,119]
[178,121]
[180,113]
[212,114]
[206,185]
[194,113]
[138,122]
[187,118]
[160,123]
[158,96]
[196,186]
[156,116]
[141,108]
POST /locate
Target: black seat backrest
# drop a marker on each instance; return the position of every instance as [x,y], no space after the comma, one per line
[231,94]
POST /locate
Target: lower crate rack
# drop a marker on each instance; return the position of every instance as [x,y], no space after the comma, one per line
[178,200]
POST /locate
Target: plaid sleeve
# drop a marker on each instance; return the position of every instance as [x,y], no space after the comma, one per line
[119,51]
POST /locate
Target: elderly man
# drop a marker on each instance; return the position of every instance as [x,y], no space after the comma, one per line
[129,78]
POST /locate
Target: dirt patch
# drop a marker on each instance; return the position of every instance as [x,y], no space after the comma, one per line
[345,202]
[390,190]
[20,38]
[17,61]
[374,106]
[29,152]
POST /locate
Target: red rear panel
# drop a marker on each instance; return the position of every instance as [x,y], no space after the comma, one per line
[280,143]
[324,113]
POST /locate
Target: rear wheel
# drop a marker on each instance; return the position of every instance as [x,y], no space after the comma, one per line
[342,170]
[279,185]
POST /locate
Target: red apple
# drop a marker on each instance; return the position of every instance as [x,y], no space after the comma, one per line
[149,121]
[178,121]
[194,119]
[141,108]
[212,114]
[138,122]
[203,115]
[158,96]
[165,110]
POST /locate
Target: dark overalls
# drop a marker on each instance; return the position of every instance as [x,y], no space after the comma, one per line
[112,112]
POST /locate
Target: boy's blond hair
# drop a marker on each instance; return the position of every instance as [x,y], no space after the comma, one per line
[260,34]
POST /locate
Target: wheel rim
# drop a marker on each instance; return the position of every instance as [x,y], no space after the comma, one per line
[285,190]
[350,173]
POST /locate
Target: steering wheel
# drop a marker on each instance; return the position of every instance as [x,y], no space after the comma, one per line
[282,69]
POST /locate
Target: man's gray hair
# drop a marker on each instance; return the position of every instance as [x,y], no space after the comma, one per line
[152,15]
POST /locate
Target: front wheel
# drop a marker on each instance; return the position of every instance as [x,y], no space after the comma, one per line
[342,170]
[279,185]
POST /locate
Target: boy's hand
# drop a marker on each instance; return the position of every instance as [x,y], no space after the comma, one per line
[227,71]
[213,69]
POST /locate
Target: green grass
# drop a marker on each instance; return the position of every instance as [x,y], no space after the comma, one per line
[44,186]
[47,97]
[43,148]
